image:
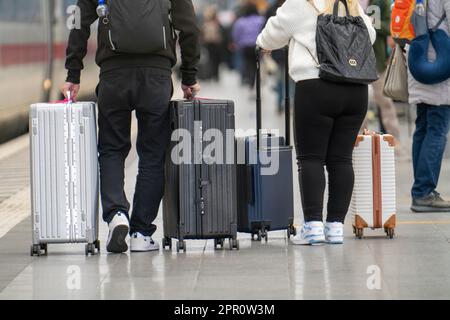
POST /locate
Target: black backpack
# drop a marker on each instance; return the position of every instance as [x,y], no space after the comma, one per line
[138,26]
[344,49]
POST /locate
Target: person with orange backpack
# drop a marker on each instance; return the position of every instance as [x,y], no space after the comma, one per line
[403,13]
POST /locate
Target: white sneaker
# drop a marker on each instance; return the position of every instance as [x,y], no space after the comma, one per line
[118,232]
[141,243]
[334,232]
[311,233]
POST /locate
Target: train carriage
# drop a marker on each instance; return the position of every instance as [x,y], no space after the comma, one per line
[33,40]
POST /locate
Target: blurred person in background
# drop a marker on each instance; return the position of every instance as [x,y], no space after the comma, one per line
[387,111]
[245,31]
[213,39]
[432,126]
[226,19]
[272,10]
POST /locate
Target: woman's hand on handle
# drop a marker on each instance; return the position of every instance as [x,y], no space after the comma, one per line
[262,50]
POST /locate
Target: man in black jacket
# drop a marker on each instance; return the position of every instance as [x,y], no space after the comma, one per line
[140,82]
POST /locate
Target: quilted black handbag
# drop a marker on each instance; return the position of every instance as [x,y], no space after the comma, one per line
[344,49]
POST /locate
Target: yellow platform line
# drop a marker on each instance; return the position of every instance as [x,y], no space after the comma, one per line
[409,222]
[424,222]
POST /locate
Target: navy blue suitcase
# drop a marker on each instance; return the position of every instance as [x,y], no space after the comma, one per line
[265,202]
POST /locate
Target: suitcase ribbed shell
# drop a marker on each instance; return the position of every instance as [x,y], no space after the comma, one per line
[64,173]
[365,192]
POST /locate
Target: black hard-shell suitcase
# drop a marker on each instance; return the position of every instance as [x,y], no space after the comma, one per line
[200,197]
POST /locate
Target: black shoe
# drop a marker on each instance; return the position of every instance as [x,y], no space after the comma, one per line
[431,203]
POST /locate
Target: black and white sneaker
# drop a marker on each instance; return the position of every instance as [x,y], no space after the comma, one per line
[141,243]
[118,232]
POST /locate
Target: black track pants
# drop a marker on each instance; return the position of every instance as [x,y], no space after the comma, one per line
[120,91]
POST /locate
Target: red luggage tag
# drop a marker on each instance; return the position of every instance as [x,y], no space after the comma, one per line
[67,100]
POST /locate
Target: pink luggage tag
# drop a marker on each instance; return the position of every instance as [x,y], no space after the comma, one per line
[67,100]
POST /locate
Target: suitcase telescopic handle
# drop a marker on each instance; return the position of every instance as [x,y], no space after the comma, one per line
[258,95]
[287,99]
[69,97]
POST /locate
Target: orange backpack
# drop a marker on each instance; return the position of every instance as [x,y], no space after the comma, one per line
[401,27]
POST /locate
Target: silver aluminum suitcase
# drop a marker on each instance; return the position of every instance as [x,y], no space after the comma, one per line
[64,175]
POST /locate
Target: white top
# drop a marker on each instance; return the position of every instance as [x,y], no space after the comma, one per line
[295,24]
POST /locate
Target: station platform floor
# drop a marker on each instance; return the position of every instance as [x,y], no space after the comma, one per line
[413,265]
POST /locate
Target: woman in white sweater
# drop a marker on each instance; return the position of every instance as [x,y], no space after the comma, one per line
[327,118]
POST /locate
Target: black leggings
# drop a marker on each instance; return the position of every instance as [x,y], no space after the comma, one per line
[328,117]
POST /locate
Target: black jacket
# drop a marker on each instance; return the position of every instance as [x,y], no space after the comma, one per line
[183,20]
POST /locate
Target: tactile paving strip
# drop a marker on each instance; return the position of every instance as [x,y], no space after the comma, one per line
[14,174]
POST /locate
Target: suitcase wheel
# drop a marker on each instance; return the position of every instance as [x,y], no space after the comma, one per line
[167,242]
[291,231]
[234,244]
[97,245]
[219,242]
[260,234]
[263,234]
[181,246]
[90,249]
[359,232]
[35,250]
[43,247]
[390,232]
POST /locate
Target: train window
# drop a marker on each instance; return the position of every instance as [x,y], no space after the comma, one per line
[7,9]
[20,10]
